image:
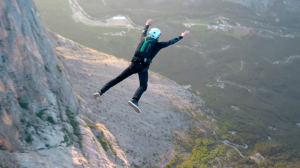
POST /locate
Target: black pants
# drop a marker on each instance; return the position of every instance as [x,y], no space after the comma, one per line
[132,69]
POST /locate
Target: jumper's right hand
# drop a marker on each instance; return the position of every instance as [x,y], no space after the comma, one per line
[185,33]
[149,22]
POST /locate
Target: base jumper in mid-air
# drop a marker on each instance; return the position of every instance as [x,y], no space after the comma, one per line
[146,50]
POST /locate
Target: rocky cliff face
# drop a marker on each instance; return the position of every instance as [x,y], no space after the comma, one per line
[39,110]
[31,81]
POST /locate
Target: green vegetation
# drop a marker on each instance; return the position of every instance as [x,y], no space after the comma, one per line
[202,152]
[176,161]
[112,149]
[196,151]
[277,155]
[28,138]
[66,139]
[23,104]
[59,68]
[75,125]
[46,68]
[93,126]
[104,143]
[135,165]
[41,113]
[50,120]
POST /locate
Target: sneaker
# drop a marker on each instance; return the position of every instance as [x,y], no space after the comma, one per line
[96,95]
[134,104]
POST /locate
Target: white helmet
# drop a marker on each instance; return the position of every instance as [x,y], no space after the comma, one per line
[154,33]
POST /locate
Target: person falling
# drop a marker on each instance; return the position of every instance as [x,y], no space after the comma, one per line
[147,49]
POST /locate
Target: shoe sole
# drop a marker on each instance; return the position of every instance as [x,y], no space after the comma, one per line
[134,107]
[95,96]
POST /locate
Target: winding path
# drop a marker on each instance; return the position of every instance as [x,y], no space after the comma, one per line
[288,60]
[223,82]
[79,15]
[233,145]
[104,3]
[242,65]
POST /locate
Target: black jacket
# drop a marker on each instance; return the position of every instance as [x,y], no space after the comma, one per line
[160,44]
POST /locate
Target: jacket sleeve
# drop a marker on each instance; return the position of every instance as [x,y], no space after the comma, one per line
[163,44]
[144,34]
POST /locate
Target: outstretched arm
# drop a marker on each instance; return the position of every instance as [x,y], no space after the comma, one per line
[148,24]
[164,44]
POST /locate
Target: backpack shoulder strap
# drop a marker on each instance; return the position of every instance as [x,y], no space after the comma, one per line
[145,44]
